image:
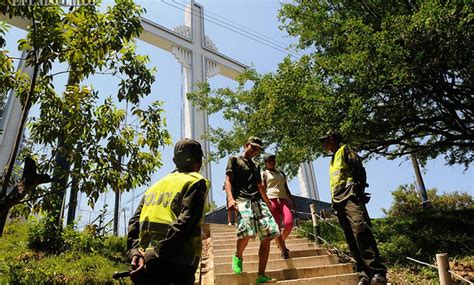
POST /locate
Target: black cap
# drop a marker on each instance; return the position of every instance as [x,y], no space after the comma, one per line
[268,156]
[186,151]
[255,141]
[331,134]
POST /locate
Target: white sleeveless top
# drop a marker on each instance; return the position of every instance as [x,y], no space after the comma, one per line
[275,184]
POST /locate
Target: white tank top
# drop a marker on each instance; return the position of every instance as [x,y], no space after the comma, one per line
[275,184]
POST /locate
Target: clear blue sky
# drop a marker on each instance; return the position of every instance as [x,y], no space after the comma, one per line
[259,17]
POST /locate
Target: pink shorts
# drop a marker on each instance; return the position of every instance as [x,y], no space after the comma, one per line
[281,212]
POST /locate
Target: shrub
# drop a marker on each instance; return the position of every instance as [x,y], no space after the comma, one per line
[76,264]
[424,234]
[406,200]
[44,235]
[115,248]
[85,241]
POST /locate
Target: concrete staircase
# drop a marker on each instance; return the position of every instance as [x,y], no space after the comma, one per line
[307,264]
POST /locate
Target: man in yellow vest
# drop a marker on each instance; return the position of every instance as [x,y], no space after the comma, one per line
[164,234]
[348,181]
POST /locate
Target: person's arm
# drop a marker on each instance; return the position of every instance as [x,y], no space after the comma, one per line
[263,192]
[192,209]
[229,173]
[357,169]
[133,241]
[228,191]
[135,254]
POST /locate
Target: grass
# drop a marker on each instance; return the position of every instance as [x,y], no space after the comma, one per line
[21,265]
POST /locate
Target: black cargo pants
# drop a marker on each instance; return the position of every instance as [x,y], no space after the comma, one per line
[355,222]
[159,272]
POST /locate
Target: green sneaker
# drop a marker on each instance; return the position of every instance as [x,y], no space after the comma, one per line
[264,279]
[237,264]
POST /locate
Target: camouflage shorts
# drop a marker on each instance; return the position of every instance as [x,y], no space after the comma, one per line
[254,217]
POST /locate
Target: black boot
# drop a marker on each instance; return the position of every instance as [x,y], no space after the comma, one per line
[363,281]
[378,279]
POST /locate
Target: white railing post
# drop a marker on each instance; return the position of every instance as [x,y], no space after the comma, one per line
[314,216]
[443,267]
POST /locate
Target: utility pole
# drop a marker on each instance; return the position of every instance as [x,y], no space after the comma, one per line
[419,181]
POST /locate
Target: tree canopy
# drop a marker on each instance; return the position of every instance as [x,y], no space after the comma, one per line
[81,134]
[393,77]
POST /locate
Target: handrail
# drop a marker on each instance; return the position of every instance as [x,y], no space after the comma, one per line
[328,243]
[409,258]
[436,267]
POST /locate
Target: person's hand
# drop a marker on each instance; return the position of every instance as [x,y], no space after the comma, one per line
[232,205]
[138,264]
[269,204]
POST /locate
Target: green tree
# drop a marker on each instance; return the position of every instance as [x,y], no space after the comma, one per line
[78,126]
[406,201]
[394,77]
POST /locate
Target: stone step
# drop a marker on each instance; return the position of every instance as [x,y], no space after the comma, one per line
[285,274]
[255,243]
[233,236]
[231,231]
[223,230]
[254,249]
[341,279]
[249,257]
[279,264]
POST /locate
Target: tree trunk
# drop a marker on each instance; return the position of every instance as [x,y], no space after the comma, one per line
[71,214]
[27,183]
[117,198]
[62,168]
[419,181]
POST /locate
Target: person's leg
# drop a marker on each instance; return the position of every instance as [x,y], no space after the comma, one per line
[229,221]
[287,218]
[267,230]
[364,238]
[245,230]
[276,213]
[341,213]
[158,269]
[263,253]
[183,274]
[241,245]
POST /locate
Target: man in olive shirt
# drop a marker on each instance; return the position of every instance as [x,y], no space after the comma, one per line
[348,181]
[246,195]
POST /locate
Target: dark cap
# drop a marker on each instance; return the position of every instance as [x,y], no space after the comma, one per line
[268,156]
[331,135]
[255,141]
[187,150]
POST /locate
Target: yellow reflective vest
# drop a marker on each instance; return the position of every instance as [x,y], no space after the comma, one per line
[340,175]
[161,207]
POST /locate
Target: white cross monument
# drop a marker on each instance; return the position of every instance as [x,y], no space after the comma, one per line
[200,60]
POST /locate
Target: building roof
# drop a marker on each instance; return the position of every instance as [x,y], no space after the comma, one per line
[303,212]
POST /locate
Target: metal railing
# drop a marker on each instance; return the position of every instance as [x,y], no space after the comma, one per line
[442,259]
[443,269]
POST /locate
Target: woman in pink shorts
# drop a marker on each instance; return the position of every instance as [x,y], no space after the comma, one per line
[281,199]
